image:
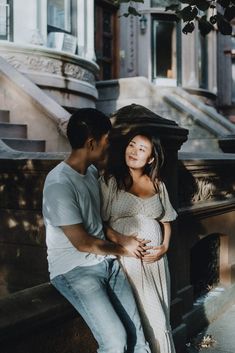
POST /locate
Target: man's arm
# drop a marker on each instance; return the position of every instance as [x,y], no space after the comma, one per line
[85,242]
[135,245]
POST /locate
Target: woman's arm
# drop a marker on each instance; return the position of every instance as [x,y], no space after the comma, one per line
[159,251]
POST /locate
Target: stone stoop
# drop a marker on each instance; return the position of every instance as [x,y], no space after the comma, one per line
[15,135]
[206,126]
[190,111]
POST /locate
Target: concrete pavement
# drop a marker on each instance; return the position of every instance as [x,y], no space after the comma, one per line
[222,331]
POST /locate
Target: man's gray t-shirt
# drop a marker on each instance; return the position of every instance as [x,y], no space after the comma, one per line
[70,198]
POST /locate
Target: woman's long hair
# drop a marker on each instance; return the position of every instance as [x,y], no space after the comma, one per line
[117,167]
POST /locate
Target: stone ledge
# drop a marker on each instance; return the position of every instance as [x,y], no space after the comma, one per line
[31,308]
[206,209]
[41,308]
[8,153]
[40,320]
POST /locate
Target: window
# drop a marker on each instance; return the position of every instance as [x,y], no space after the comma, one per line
[59,15]
[202,61]
[106,45]
[4,20]
[164,49]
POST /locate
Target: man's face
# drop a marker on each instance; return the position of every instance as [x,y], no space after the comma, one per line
[101,147]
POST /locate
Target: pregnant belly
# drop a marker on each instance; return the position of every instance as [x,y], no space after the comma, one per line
[144,227]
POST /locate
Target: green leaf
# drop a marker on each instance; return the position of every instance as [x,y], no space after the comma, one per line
[204,26]
[224,26]
[188,13]
[188,28]
[213,19]
[132,10]
[229,13]
[224,3]
[202,5]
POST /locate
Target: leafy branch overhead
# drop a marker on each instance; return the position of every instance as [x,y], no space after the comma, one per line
[210,14]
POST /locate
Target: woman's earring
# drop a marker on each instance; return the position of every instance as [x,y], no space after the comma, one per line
[151,161]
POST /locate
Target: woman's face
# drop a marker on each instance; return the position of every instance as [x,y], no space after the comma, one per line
[138,152]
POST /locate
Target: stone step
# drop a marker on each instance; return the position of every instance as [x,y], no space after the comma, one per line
[8,130]
[25,145]
[4,116]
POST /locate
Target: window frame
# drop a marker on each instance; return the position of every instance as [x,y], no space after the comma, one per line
[164,81]
[9,21]
[53,28]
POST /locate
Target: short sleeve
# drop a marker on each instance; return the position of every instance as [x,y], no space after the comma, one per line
[60,207]
[169,213]
[107,190]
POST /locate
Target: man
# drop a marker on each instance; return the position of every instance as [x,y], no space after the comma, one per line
[82,264]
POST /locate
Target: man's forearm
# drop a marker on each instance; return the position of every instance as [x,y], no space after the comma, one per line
[113,235]
[85,242]
[102,247]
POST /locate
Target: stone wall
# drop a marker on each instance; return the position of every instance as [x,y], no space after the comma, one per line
[34,317]
[206,209]
[23,261]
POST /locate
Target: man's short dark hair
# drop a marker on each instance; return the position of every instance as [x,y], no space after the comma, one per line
[85,123]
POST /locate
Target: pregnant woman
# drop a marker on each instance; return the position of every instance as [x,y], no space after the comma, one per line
[135,203]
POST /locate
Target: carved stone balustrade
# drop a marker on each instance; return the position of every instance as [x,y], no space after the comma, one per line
[68,78]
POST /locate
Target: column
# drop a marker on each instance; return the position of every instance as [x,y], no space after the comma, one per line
[81,23]
[90,30]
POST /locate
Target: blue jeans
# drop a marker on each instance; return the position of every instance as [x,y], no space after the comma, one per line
[103,297]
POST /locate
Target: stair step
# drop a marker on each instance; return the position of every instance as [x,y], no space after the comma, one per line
[8,130]
[4,116]
[25,145]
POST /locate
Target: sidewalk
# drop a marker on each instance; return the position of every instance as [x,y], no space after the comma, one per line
[222,331]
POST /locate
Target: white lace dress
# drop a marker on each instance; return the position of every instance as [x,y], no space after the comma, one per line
[128,214]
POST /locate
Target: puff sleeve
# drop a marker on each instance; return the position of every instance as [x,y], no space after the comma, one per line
[169,214]
[107,193]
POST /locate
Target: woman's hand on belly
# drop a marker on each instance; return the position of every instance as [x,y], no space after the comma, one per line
[137,247]
[156,253]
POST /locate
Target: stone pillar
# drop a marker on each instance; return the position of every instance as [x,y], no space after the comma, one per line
[189,61]
[81,21]
[89,30]
[42,20]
